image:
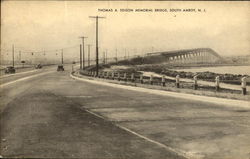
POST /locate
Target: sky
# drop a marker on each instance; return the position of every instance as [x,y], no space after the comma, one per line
[54,25]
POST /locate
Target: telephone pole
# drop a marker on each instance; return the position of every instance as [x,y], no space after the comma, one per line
[89,54]
[62,56]
[116,55]
[20,56]
[13,55]
[125,50]
[44,57]
[80,56]
[97,58]
[83,56]
[106,56]
[103,57]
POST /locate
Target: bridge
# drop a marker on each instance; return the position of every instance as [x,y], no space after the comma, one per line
[198,55]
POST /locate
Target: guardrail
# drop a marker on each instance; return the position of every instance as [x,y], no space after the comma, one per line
[152,80]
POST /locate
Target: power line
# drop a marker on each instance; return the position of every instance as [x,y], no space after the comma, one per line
[42,51]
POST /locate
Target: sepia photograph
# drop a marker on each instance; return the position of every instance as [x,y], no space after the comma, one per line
[125,79]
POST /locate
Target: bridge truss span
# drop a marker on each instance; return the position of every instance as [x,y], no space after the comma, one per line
[198,55]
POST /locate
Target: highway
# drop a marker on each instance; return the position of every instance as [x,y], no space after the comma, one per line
[48,114]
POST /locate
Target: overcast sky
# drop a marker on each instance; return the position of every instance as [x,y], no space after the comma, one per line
[48,25]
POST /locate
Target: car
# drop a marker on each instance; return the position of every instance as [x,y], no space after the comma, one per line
[60,68]
[10,69]
[39,66]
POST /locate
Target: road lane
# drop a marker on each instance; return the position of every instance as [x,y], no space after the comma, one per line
[12,77]
[38,123]
[201,129]
[197,128]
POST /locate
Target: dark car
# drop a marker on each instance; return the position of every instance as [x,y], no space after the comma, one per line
[39,66]
[10,69]
[60,68]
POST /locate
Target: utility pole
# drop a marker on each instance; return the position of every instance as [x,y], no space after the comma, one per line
[80,56]
[97,58]
[103,57]
[106,56]
[44,57]
[125,51]
[116,55]
[13,55]
[62,56]
[20,56]
[89,54]
[83,54]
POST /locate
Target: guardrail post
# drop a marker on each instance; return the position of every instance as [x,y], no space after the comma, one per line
[113,75]
[125,76]
[244,85]
[94,74]
[107,75]
[177,81]
[217,83]
[151,79]
[104,74]
[141,78]
[163,81]
[118,76]
[132,77]
[195,82]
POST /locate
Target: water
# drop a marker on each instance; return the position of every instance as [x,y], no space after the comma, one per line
[244,70]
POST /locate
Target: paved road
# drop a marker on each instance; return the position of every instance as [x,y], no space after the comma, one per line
[53,115]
